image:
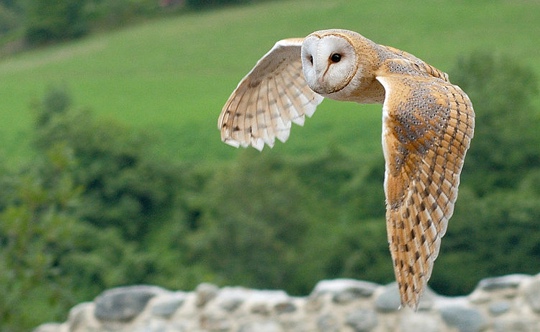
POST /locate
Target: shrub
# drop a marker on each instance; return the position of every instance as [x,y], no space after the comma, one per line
[54,20]
[505,145]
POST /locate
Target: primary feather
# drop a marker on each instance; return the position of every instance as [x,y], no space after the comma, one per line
[268,99]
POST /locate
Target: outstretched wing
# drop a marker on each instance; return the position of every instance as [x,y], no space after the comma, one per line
[271,96]
[416,63]
[428,124]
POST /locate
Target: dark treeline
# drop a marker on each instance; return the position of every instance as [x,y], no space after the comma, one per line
[97,208]
[37,22]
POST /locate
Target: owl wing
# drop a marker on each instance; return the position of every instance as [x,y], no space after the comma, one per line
[268,99]
[427,127]
[418,64]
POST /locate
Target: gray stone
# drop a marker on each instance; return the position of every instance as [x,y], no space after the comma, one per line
[230,298]
[257,301]
[214,322]
[419,321]
[314,303]
[285,307]
[427,299]
[480,297]
[292,324]
[165,306]
[347,296]
[464,318]
[328,323]
[505,282]
[81,316]
[503,304]
[49,327]
[124,303]
[532,294]
[205,293]
[389,300]
[155,325]
[515,325]
[499,307]
[345,290]
[264,326]
[231,304]
[260,308]
[362,320]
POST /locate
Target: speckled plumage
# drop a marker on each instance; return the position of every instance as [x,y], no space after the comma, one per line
[427,127]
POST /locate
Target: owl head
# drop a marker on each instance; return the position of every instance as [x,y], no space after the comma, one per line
[332,64]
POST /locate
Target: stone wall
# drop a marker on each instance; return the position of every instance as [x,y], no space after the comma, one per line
[503,304]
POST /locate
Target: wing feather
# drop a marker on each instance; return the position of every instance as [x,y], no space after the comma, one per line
[269,98]
[427,127]
[286,91]
[270,126]
[281,122]
[259,121]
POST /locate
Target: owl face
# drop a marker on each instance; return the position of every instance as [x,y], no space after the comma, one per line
[329,62]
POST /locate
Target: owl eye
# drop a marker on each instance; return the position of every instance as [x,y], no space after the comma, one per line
[310,58]
[336,57]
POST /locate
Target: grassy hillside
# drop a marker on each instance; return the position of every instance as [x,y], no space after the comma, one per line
[173,75]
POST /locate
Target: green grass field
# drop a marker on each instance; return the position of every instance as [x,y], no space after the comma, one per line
[173,75]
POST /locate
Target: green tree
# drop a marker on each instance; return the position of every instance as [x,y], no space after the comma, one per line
[267,221]
[488,236]
[35,229]
[505,145]
[256,219]
[54,20]
[57,246]
[125,185]
[49,259]
[113,13]
[198,4]
[9,19]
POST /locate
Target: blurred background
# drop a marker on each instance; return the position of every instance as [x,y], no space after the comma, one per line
[112,171]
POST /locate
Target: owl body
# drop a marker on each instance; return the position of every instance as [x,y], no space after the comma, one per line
[427,127]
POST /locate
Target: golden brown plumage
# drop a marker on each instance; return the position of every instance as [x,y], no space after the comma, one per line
[425,139]
[427,127]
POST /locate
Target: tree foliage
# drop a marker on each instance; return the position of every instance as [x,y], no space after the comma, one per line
[61,239]
[125,186]
[505,146]
[54,20]
[9,18]
[50,21]
[199,4]
[257,216]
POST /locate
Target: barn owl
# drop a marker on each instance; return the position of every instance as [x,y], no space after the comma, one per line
[427,122]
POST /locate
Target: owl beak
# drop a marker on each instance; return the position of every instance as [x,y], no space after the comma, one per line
[322,86]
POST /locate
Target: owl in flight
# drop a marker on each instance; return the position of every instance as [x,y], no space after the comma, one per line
[427,121]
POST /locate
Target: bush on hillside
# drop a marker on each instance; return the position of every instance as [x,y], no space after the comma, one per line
[506,140]
[9,19]
[198,4]
[124,185]
[54,20]
[113,13]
